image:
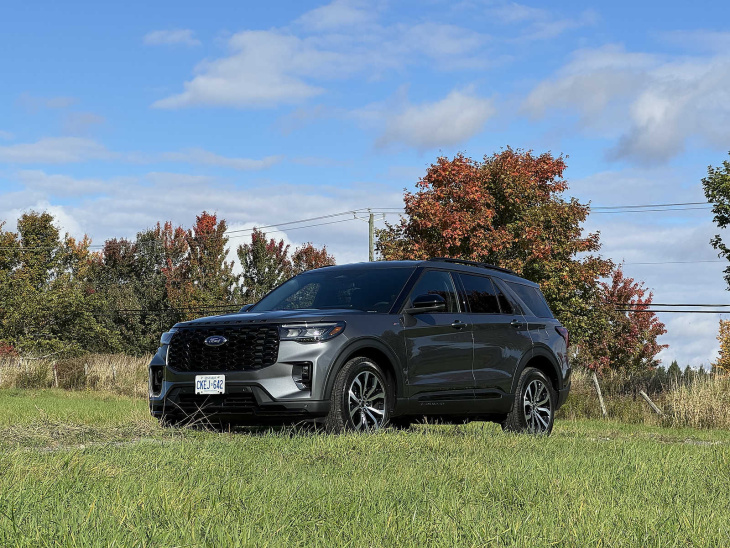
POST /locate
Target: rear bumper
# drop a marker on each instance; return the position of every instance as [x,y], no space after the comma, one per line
[242,404]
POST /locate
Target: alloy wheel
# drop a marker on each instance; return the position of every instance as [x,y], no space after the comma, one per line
[537,407]
[366,401]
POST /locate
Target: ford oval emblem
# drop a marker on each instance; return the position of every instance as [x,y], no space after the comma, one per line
[215,340]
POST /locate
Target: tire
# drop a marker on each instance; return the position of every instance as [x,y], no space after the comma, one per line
[361,398]
[533,411]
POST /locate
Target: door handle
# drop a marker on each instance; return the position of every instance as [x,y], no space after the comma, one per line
[458,324]
[516,324]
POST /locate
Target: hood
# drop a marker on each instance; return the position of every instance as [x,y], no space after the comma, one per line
[274,316]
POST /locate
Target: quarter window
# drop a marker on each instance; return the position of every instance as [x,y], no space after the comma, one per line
[533,298]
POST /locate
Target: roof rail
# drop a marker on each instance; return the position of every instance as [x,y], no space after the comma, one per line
[472,263]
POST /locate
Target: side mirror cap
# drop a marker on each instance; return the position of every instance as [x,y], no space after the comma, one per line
[427,303]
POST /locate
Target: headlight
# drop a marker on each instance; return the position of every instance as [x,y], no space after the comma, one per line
[311,333]
[167,337]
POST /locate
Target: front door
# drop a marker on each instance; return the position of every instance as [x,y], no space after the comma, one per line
[438,345]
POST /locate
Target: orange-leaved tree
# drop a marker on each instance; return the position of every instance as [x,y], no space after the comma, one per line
[308,257]
[630,342]
[508,210]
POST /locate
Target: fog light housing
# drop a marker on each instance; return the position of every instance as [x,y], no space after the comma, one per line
[301,374]
[156,377]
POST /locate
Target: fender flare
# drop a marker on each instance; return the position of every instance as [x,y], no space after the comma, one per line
[351,348]
[537,351]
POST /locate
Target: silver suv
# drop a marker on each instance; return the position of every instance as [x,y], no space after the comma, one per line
[362,346]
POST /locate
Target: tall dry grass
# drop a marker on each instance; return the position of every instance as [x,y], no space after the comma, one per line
[703,402]
[116,373]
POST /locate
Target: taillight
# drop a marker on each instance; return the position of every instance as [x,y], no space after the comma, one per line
[563,333]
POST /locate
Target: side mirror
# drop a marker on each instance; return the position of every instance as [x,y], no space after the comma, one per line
[427,303]
[245,307]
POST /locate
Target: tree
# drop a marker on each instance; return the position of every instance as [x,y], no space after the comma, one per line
[211,277]
[308,257]
[630,339]
[265,265]
[717,191]
[674,372]
[507,210]
[723,337]
[48,305]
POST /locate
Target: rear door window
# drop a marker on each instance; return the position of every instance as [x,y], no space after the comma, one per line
[533,298]
[480,294]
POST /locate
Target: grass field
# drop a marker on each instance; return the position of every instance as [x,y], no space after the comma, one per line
[89,469]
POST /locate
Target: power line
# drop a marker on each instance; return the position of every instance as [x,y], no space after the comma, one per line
[673,311]
[384,211]
[649,205]
[676,262]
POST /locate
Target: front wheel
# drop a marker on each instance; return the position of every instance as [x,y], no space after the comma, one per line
[533,411]
[361,398]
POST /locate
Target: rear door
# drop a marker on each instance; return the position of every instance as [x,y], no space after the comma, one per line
[438,345]
[501,336]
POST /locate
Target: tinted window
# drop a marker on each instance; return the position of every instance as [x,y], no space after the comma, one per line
[532,297]
[480,293]
[437,282]
[367,289]
[504,303]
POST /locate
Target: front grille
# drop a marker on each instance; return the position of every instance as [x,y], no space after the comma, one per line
[248,347]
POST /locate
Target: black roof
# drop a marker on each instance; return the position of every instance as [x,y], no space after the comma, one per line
[458,264]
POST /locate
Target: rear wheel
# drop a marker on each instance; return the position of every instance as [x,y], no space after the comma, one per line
[361,397]
[533,411]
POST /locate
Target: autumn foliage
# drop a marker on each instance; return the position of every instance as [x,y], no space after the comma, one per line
[629,341]
[509,210]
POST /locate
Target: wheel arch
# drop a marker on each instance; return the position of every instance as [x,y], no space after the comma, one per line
[543,360]
[369,348]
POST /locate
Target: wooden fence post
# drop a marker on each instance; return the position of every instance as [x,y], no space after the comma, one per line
[600,396]
[651,403]
[55,374]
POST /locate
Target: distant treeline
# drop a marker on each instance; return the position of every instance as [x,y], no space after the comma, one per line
[60,297]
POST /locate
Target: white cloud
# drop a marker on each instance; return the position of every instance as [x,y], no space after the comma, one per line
[54,150]
[339,14]
[63,185]
[33,103]
[80,123]
[291,65]
[265,68]
[171,37]
[653,104]
[539,24]
[6,135]
[125,208]
[447,122]
[63,150]
[205,157]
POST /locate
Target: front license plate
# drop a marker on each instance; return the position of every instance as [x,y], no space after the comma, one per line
[210,384]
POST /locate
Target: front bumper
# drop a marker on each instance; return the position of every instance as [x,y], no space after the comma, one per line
[242,403]
[261,396]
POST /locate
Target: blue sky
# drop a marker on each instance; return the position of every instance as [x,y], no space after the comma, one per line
[115,116]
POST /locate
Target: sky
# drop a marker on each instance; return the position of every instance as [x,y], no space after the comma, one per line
[114,116]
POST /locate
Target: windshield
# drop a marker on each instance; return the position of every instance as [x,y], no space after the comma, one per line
[367,289]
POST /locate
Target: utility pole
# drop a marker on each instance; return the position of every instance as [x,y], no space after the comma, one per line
[371,231]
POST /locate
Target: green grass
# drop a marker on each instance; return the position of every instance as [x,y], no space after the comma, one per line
[132,483]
